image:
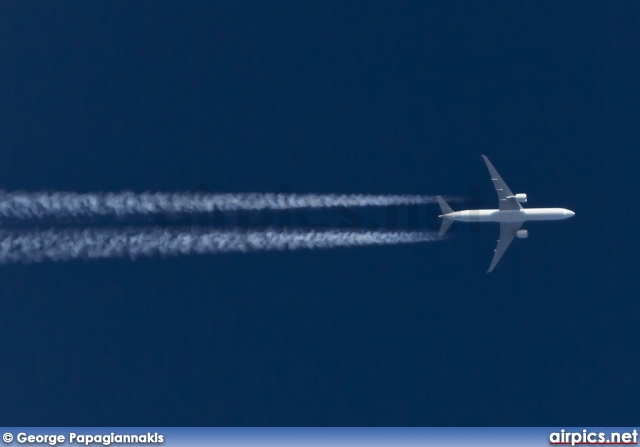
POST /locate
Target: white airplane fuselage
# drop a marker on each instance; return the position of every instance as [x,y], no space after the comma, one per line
[511,215]
[522,215]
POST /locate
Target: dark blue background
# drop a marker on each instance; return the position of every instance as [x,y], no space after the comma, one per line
[329,96]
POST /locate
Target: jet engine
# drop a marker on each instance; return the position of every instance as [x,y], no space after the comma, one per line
[522,234]
[521,197]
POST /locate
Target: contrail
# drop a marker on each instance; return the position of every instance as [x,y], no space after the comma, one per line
[29,205]
[96,243]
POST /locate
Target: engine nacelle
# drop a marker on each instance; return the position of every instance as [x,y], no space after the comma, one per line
[521,197]
[522,234]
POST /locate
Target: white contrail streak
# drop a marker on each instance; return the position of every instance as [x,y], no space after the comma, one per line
[28,205]
[97,243]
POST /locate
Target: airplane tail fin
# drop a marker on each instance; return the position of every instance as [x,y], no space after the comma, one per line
[446,222]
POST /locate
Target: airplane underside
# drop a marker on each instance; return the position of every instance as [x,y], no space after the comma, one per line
[511,214]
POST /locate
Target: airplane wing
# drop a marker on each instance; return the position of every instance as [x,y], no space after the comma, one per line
[507,233]
[505,197]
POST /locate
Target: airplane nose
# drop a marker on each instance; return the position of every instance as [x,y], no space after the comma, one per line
[570,213]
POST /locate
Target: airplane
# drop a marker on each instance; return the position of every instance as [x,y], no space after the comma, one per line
[511,215]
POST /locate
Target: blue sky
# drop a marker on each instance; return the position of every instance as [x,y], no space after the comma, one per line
[329,97]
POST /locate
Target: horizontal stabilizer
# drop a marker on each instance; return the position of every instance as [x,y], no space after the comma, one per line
[446,222]
[446,209]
